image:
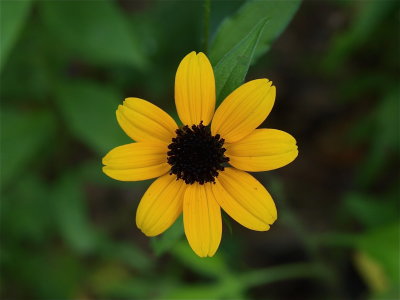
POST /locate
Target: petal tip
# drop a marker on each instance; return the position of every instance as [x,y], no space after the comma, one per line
[190,55]
[141,227]
[148,233]
[119,109]
[261,82]
[105,171]
[202,55]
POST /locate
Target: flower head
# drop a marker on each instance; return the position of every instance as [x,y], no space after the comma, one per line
[201,168]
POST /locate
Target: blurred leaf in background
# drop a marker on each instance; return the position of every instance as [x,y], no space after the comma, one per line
[71,215]
[380,249]
[13,18]
[365,23]
[89,109]
[96,31]
[23,138]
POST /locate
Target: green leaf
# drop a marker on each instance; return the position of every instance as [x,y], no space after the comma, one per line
[76,229]
[371,211]
[231,70]
[227,221]
[89,112]
[384,141]
[237,27]
[25,213]
[369,15]
[23,135]
[13,15]
[95,30]
[71,215]
[167,240]
[58,275]
[211,266]
[127,254]
[113,280]
[37,72]
[382,245]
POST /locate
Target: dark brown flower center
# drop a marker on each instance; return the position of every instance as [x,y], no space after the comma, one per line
[195,155]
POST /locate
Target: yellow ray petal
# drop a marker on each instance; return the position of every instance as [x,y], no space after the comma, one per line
[262,150]
[142,121]
[137,161]
[245,199]
[195,89]
[244,110]
[202,219]
[161,205]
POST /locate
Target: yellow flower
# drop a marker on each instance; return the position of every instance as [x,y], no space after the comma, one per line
[201,168]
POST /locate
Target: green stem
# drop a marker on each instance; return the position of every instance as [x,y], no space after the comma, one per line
[347,240]
[269,275]
[207,8]
[311,245]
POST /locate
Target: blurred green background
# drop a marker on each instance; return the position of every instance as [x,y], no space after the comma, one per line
[68,231]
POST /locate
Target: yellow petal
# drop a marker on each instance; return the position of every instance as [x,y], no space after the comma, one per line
[144,122]
[195,89]
[137,161]
[262,150]
[244,110]
[202,219]
[161,205]
[245,199]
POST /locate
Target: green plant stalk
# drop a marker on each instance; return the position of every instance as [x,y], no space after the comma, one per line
[206,25]
[273,274]
[311,246]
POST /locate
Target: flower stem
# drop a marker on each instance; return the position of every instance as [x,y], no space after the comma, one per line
[283,272]
[206,18]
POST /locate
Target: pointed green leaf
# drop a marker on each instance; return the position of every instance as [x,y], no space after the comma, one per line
[232,68]
[237,27]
